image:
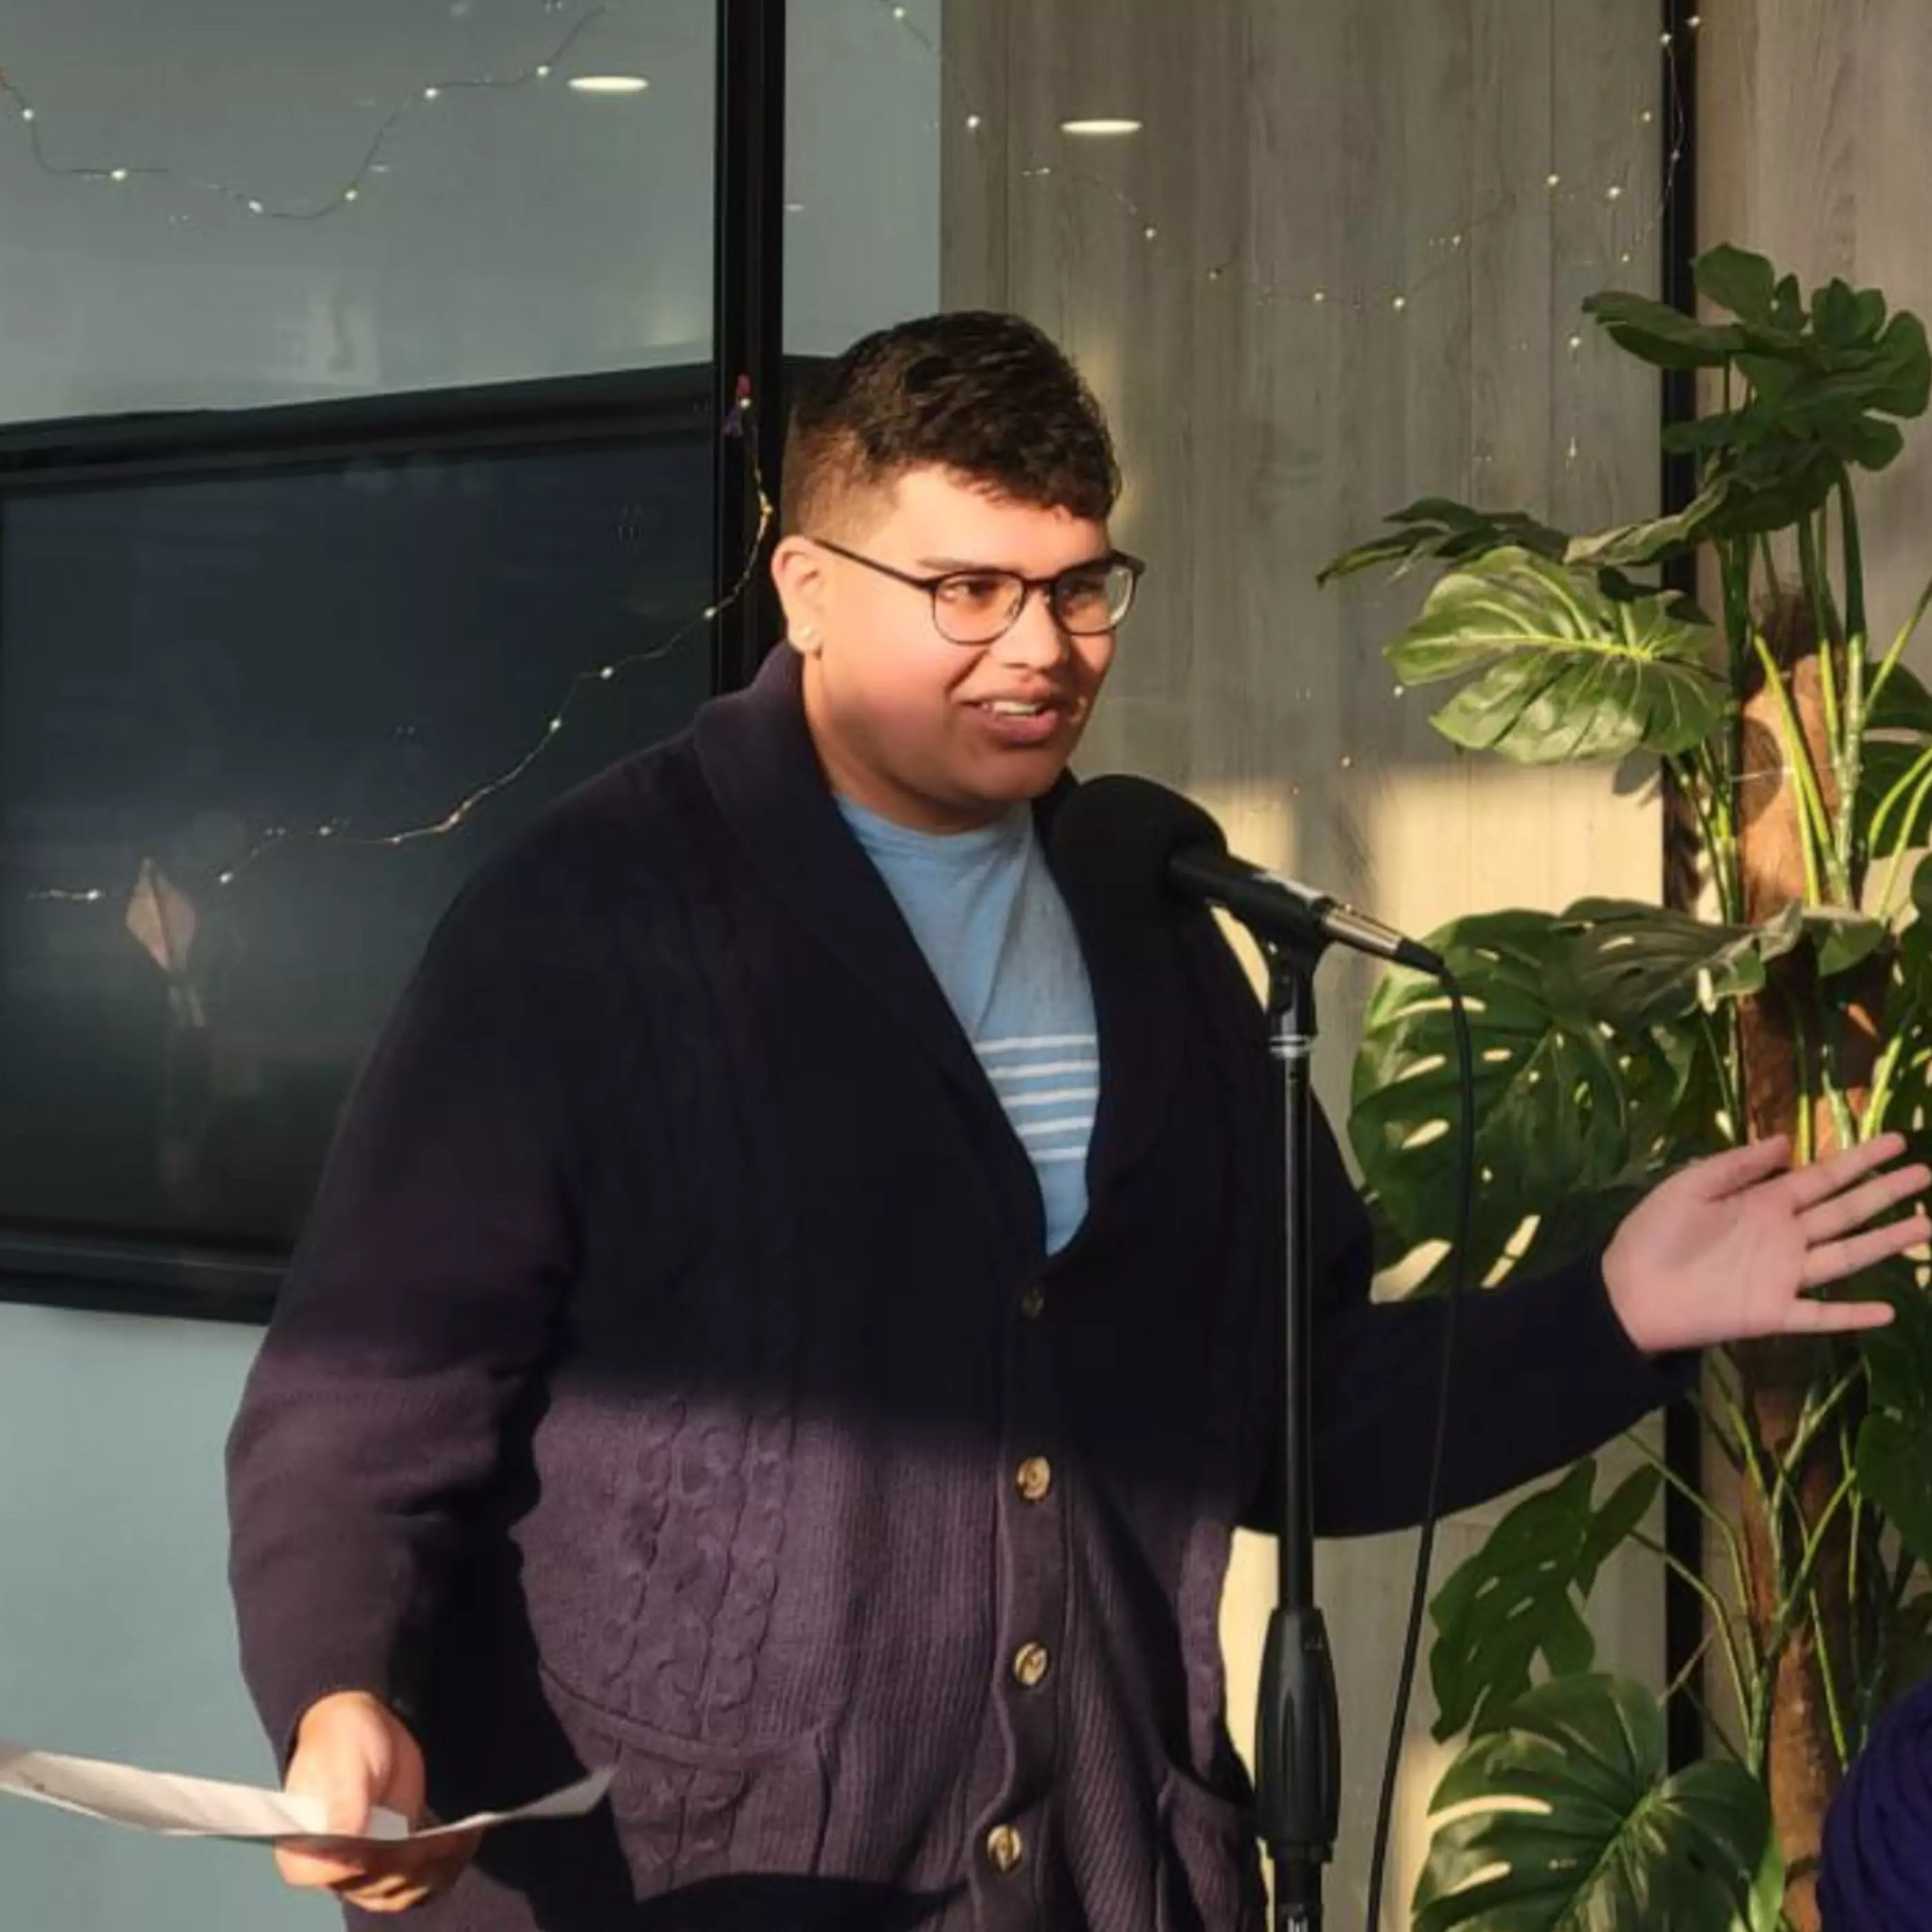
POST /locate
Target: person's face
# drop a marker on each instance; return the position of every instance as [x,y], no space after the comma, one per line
[930,734]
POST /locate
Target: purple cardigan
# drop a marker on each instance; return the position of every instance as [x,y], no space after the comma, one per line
[671,1377]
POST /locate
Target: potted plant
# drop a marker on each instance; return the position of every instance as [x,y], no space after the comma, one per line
[1616,1040]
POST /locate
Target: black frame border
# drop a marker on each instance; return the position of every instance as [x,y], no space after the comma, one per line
[1684,1632]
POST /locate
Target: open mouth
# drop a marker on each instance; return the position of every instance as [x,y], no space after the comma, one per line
[1014,707]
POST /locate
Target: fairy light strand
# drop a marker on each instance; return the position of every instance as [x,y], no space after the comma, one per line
[120,173]
[741,425]
[1323,294]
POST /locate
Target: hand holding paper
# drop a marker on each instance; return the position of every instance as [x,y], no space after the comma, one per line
[344,1823]
[354,1759]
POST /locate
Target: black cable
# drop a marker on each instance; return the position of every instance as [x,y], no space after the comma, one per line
[1419,1594]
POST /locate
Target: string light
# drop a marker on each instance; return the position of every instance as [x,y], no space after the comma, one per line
[348,193]
[1451,249]
[741,423]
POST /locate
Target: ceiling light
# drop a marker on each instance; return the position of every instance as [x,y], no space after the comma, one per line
[609,83]
[1098,128]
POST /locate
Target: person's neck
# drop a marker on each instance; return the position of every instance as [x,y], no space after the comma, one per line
[849,780]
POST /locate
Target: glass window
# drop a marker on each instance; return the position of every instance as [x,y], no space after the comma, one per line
[862,230]
[274,680]
[435,211]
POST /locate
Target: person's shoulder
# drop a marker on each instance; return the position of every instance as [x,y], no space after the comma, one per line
[584,853]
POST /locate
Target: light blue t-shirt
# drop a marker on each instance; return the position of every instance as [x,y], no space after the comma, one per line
[1001,942]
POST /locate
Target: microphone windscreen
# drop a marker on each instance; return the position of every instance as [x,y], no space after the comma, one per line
[1114,836]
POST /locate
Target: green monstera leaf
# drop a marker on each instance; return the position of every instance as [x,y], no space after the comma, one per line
[1894,1445]
[1579,1826]
[1561,671]
[1520,1597]
[1549,1107]
[1575,1115]
[1663,337]
[1735,279]
[1894,801]
[1439,528]
[1821,390]
[1637,964]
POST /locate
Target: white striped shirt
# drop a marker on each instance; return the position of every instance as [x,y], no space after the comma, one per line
[998,937]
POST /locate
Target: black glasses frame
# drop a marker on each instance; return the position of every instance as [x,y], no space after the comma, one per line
[1048,586]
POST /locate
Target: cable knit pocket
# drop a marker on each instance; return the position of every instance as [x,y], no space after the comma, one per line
[687,1811]
[1209,1879]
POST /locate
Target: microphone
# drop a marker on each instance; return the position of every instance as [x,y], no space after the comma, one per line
[1122,832]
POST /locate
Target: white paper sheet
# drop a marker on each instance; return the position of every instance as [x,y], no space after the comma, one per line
[201,1807]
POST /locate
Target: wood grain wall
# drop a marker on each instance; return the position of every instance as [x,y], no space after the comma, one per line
[1340,268]
[1814,149]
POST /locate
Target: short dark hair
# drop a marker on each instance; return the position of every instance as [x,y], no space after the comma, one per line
[986,395]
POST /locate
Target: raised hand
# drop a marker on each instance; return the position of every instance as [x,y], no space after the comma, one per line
[1725,1249]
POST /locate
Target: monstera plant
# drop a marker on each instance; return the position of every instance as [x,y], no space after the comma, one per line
[1789,989]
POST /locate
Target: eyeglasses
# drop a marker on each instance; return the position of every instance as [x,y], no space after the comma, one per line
[980,607]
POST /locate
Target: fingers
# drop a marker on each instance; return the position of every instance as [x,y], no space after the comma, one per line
[1808,1186]
[1865,1203]
[403,1883]
[1835,1260]
[1737,1168]
[388,1877]
[1836,1318]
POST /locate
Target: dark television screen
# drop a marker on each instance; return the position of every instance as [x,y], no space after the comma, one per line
[200,669]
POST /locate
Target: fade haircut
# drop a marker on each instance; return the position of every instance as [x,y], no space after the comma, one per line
[985,396]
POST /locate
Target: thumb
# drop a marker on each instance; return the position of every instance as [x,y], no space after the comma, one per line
[348,1754]
[327,1767]
[348,1783]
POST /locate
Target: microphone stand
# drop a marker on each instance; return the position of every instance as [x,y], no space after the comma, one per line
[1298,1784]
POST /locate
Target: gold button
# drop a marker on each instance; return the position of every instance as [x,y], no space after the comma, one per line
[1005,1847]
[1033,1478]
[1029,1664]
[1032,1303]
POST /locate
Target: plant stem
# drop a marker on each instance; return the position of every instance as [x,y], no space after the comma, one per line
[1811,572]
[1879,1103]
[1715,1430]
[1857,644]
[1680,1687]
[1812,1421]
[1807,1135]
[1898,644]
[1855,628]
[1788,1609]
[1828,1676]
[1912,811]
[1843,1123]
[1855,1635]
[1813,827]
[1720,1620]
[1881,820]
[1728,1095]
[1717,816]
[1758,1708]
[1718,1521]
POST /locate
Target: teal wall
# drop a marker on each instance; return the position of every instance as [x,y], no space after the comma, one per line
[116,1639]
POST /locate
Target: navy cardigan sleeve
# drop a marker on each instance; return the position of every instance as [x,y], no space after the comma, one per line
[1544,1372]
[419,1306]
